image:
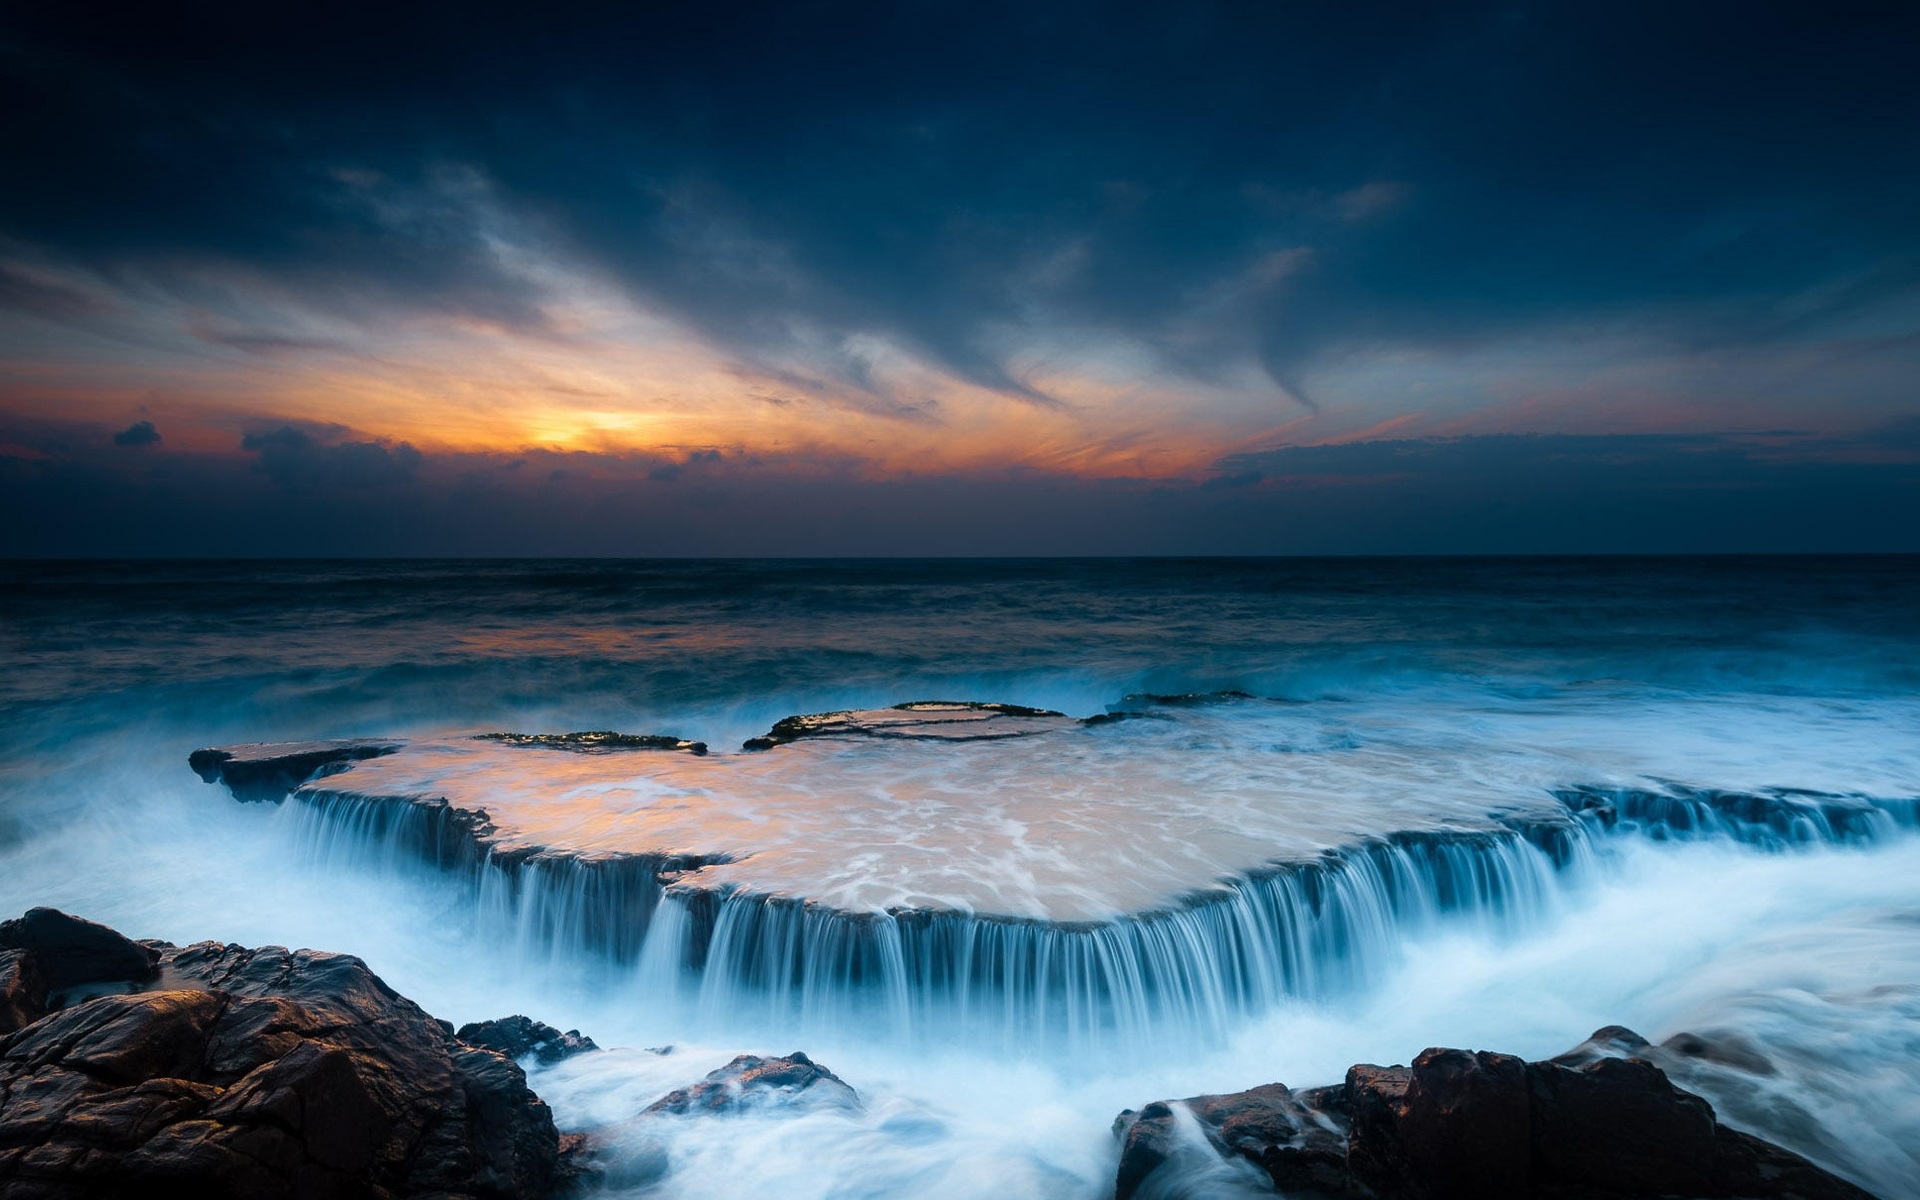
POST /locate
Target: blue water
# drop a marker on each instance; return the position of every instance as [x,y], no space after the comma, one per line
[1737,673]
[715,649]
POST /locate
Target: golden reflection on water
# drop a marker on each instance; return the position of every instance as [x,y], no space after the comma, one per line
[1032,817]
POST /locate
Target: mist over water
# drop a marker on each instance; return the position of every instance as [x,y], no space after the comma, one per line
[1396,690]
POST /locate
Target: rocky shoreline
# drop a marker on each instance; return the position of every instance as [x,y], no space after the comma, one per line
[141,1067]
[131,1068]
[144,1068]
[1600,1122]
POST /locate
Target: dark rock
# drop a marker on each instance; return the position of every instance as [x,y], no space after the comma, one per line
[1726,1050]
[750,1081]
[1376,1096]
[1462,1128]
[1179,700]
[517,1037]
[1749,1166]
[1298,1139]
[267,772]
[599,741]
[935,720]
[23,990]
[261,1073]
[1147,1141]
[1608,1041]
[70,951]
[1600,1122]
[1618,1125]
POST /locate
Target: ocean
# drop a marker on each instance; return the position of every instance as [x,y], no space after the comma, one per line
[1236,845]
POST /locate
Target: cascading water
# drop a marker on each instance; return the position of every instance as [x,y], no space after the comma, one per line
[1309,930]
[1441,809]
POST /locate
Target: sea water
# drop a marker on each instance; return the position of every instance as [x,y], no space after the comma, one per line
[1279,710]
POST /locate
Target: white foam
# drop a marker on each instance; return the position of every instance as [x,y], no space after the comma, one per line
[1089,823]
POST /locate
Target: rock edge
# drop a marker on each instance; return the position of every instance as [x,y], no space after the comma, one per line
[1602,1122]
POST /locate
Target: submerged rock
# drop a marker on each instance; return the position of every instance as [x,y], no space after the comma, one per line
[1675,1055]
[1292,1137]
[1135,700]
[518,1036]
[750,1082]
[256,1073]
[1599,1123]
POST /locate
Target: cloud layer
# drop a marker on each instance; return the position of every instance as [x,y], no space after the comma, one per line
[314,491]
[905,242]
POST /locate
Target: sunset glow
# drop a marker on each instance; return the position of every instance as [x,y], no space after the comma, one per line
[784,290]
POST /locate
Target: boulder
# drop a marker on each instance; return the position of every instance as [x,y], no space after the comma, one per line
[251,1073]
[1283,1133]
[1601,1122]
[518,1036]
[750,1082]
[71,952]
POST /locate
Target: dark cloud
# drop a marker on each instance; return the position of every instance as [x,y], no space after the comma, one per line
[668,472]
[23,293]
[138,434]
[1231,187]
[264,343]
[967,179]
[313,491]
[299,460]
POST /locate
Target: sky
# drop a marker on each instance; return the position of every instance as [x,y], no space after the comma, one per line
[932,278]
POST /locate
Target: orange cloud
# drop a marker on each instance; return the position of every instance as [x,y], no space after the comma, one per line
[604,377]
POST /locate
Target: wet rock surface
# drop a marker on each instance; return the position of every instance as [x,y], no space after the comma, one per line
[1601,1122]
[247,1073]
[752,1082]
[989,810]
[632,1153]
[64,951]
[599,741]
[1298,1139]
[269,770]
[943,720]
[518,1037]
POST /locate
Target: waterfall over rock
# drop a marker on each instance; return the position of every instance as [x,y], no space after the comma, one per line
[1301,924]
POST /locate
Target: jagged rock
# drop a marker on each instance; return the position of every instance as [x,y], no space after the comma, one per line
[268,771]
[1679,1051]
[23,990]
[630,1154]
[750,1081]
[1269,1125]
[1598,1123]
[517,1037]
[257,1073]
[1375,1097]
[1462,1126]
[944,720]
[596,741]
[70,951]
